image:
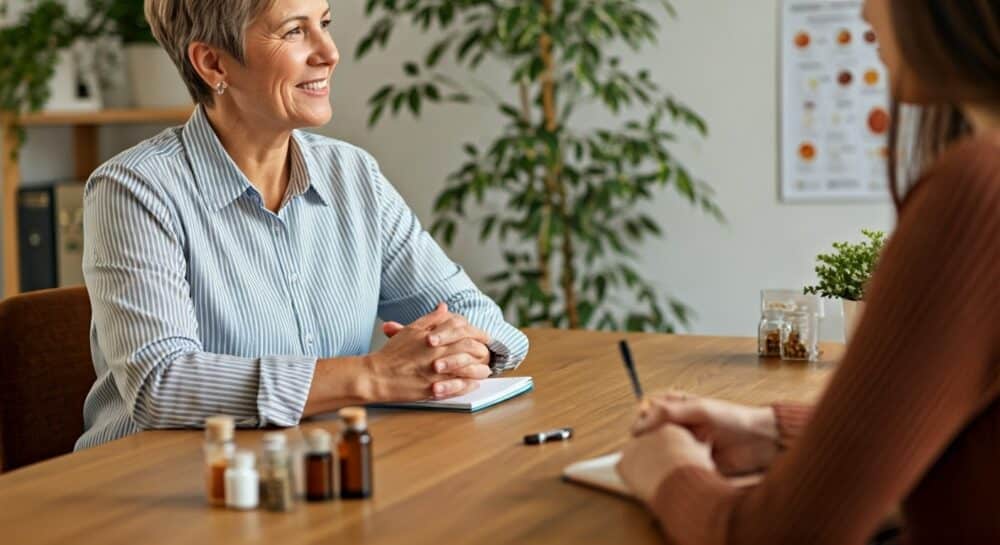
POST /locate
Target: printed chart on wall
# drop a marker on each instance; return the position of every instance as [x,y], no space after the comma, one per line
[834,104]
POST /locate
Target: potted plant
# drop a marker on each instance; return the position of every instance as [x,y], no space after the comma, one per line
[33,50]
[566,201]
[153,78]
[844,274]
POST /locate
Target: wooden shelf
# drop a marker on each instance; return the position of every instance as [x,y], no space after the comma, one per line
[109,117]
[85,156]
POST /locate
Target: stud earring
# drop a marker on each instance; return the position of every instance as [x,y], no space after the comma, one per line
[220,88]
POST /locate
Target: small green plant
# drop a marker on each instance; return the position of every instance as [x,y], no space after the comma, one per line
[845,272]
[29,50]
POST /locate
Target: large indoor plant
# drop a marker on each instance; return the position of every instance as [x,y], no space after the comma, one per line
[844,274]
[568,204]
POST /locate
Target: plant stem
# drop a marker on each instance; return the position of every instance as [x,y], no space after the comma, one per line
[553,183]
[543,240]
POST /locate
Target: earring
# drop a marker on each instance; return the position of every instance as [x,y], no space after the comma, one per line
[220,88]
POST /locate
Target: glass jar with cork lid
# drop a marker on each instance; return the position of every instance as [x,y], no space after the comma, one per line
[219,448]
[770,331]
[800,339]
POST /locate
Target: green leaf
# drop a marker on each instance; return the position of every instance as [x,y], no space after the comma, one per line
[411,69]
[487,228]
[431,92]
[414,100]
[436,52]
[684,184]
[381,94]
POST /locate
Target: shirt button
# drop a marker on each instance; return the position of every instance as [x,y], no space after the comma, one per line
[309,339]
[294,278]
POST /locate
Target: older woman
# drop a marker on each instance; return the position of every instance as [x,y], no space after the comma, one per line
[236,265]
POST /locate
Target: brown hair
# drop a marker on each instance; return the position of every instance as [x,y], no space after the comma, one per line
[952,49]
[178,23]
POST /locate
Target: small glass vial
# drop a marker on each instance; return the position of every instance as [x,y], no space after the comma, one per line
[800,340]
[219,448]
[772,326]
[276,474]
[241,482]
[355,452]
[319,466]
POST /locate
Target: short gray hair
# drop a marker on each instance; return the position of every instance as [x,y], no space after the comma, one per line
[219,23]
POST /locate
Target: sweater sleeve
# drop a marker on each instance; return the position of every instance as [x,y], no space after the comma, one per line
[791,419]
[921,366]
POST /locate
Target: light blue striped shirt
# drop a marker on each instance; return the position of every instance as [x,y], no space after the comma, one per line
[205,302]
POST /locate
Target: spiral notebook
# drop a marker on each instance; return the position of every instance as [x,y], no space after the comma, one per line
[492,391]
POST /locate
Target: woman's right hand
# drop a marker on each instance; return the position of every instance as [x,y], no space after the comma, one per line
[404,369]
[744,439]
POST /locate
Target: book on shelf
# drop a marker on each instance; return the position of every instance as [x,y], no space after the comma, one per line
[50,240]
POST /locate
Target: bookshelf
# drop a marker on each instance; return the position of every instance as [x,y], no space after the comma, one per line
[85,160]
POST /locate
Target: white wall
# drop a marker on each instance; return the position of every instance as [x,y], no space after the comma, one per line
[719,57]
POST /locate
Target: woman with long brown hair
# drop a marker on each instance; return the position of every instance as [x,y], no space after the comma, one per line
[911,418]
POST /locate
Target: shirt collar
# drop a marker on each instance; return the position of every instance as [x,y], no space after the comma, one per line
[219,179]
[304,168]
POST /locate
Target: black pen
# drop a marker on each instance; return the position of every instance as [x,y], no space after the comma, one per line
[560,434]
[630,367]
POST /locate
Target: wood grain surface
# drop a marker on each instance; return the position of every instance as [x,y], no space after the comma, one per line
[439,477]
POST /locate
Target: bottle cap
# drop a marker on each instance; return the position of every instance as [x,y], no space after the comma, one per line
[354,417]
[275,440]
[319,441]
[219,428]
[244,459]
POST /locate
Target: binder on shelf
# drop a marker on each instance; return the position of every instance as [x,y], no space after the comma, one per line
[50,220]
[36,238]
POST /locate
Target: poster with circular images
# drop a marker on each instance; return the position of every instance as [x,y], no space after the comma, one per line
[834,104]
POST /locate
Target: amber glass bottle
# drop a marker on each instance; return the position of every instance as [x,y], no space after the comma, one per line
[319,466]
[355,452]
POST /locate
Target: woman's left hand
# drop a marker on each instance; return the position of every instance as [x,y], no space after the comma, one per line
[468,346]
[650,458]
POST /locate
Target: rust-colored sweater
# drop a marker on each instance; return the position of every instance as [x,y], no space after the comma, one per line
[912,415]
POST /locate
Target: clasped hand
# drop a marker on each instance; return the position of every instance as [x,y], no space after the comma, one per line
[675,430]
[438,356]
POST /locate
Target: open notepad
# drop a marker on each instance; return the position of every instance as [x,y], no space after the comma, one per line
[600,473]
[491,391]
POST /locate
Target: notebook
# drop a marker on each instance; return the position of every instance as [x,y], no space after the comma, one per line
[491,391]
[600,473]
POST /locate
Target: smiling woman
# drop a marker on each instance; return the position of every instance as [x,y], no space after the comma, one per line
[236,265]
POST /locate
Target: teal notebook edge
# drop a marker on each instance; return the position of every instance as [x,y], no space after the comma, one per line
[528,386]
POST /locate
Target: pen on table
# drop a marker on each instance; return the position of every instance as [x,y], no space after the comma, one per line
[630,367]
[560,434]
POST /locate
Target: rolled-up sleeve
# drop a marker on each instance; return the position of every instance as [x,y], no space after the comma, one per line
[417,275]
[145,322]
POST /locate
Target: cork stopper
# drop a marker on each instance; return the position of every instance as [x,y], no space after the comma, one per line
[354,417]
[319,441]
[219,428]
[274,441]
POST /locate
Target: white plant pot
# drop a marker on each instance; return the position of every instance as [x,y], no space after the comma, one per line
[154,79]
[74,86]
[852,315]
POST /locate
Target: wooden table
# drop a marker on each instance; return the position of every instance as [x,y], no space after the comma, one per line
[440,478]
